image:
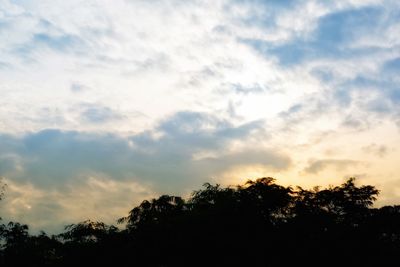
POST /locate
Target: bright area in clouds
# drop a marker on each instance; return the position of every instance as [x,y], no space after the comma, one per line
[105,104]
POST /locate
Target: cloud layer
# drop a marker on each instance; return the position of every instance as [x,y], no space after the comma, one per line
[108,103]
[179,154]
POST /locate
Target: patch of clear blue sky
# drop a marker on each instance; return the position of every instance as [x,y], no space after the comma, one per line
[392,66]
[329,40]
[56,42]
[332,39]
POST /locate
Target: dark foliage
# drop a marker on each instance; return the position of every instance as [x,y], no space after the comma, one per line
[257,224]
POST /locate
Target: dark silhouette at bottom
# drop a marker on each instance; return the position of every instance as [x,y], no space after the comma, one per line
[257,224]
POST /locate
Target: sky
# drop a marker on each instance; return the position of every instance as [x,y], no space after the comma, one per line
[106,103]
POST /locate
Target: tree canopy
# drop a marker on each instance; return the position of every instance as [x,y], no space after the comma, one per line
[259,223]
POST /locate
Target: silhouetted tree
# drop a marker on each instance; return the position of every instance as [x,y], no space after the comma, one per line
[2,190]
[155,211]
[259,223]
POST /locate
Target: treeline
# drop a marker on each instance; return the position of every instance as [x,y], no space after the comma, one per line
[259,223]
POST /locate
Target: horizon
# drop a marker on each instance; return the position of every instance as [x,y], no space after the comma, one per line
[105,105]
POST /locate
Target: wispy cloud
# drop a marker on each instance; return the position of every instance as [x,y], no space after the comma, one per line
[339,164]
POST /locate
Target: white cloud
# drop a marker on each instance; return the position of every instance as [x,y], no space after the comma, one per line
[226,86]
[155,58]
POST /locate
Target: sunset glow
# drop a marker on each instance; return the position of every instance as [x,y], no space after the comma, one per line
[104,104]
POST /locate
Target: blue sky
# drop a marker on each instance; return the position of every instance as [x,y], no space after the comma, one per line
[103,105]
